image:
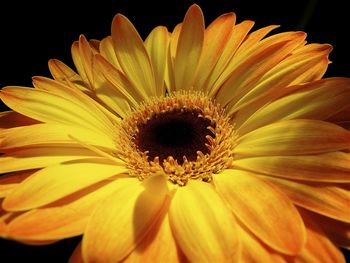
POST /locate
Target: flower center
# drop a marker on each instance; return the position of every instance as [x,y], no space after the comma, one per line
[184,135]
[177,133]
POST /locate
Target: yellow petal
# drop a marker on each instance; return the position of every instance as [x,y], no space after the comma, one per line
[55,182]
[63,221]
[120,82]
[40,157]
[11,181]
[203,227]
[293,137]
[309,102]
[321,198]
[158,246]
[318,247]
[48,107]
[11,119]
[157,44]
[69,91]
[76,56]
[123,220]
[328,167]
[107,51]
[61,71]
[215,38]
[51,134]
[132,55]
[189,48]
[267,212]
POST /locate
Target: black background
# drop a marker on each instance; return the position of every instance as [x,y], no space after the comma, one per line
[33,33]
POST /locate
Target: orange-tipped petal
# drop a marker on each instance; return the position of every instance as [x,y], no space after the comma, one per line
[215,38]
[309,102]
[293,137]
[11,119]
[267,212]
[203,227]
[290,71]
[77,256]
[130,213]
[238,35]
[328,167]
[189,48]
[254,251]
[321,198]
[132,55]
[55,182]
[318,247]
[248,71]
[337,231]
[65,220]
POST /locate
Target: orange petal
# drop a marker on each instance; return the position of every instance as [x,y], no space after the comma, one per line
[238,35]
[267,212]
[189,48]
[203,227]
[254,251]
[247,71]
[129,213]
[337,231]
[318,247]
[158,246]
[40,157]
[55,182]
[328,167]
[77,256]
[132,55]
[290,71]
[63,221]
[321,198]
[309,102]
[293,137]
[157,44]
[215,39]
[11,119]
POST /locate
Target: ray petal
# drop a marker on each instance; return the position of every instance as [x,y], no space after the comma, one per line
[203,227]
[293,137]
[129,213]
[258,205]
[55,182]
[189,48]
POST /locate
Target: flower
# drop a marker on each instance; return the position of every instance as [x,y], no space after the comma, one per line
[203,145]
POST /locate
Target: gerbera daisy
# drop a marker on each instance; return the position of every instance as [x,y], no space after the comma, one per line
[208,144]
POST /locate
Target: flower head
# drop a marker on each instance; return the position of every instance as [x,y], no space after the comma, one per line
[211,144]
